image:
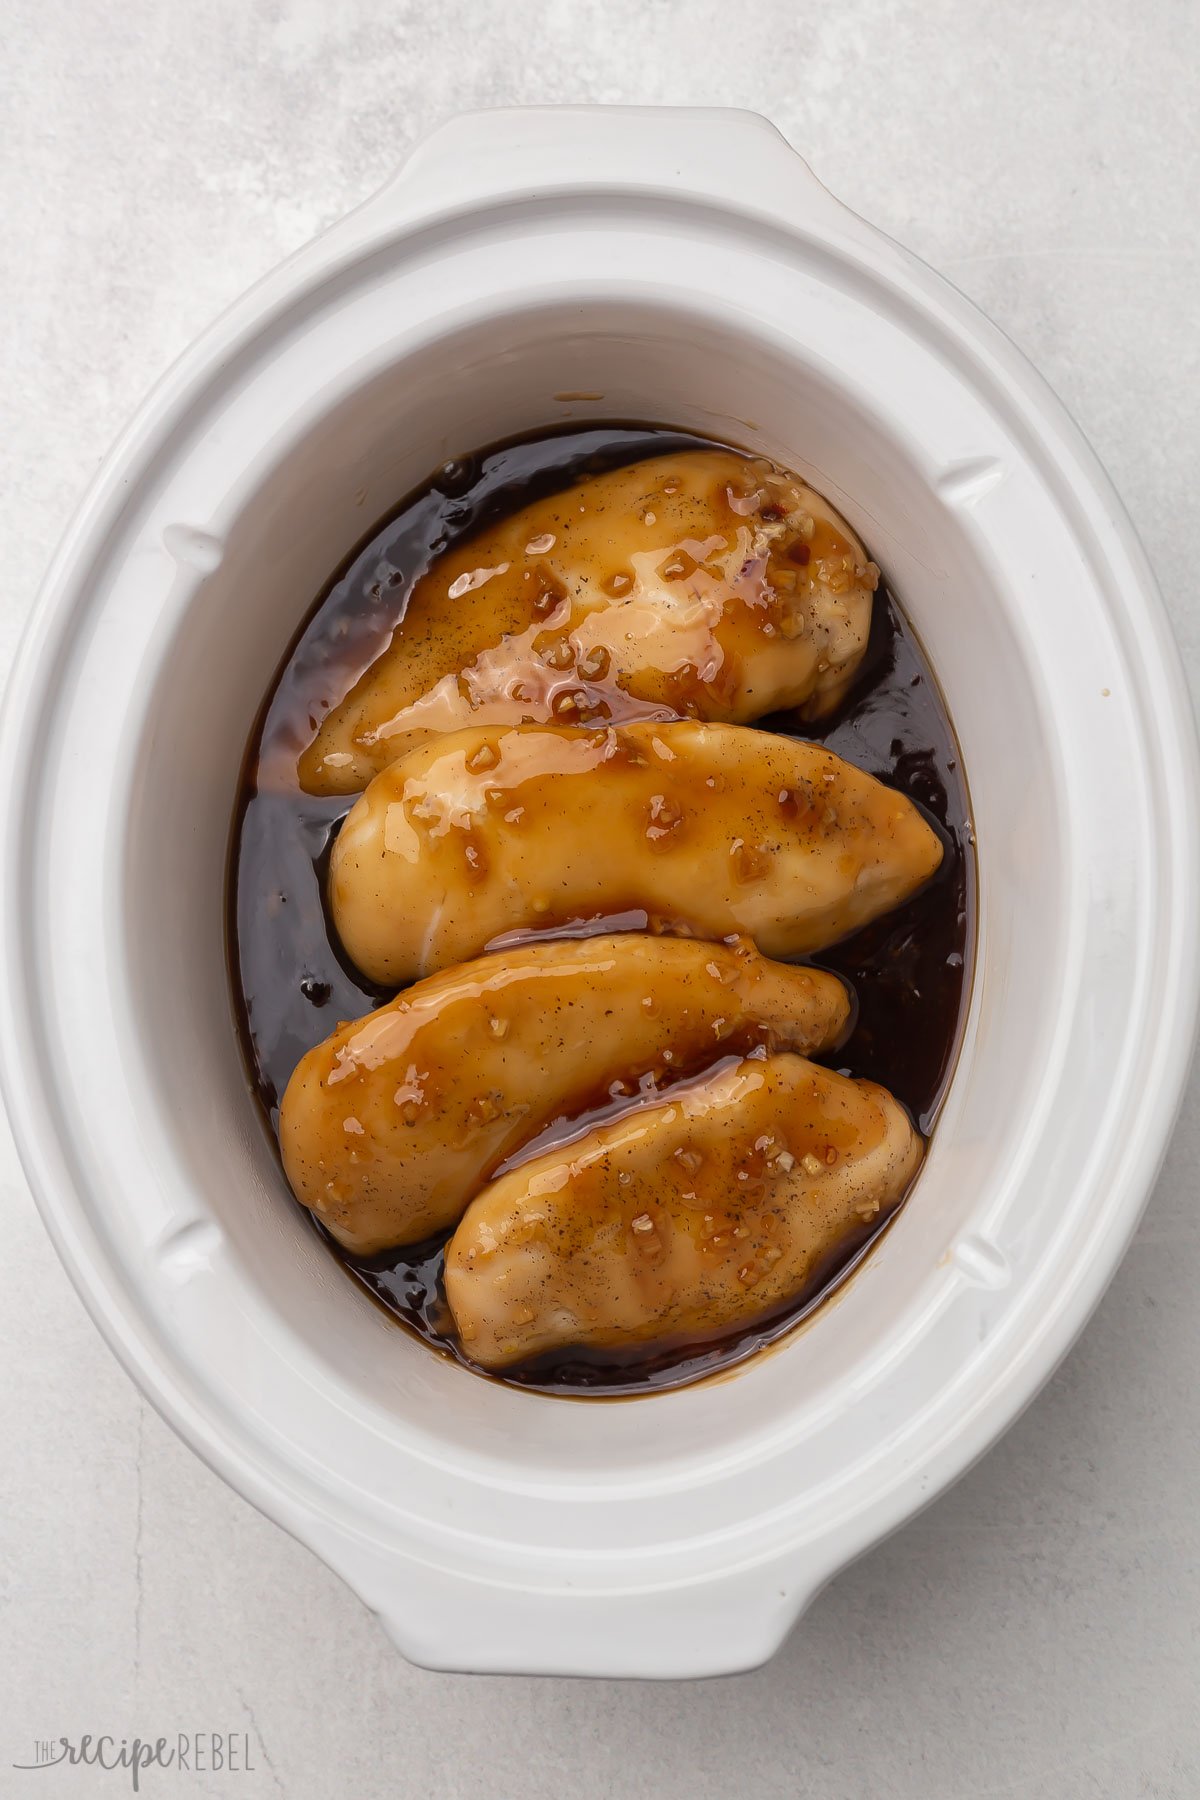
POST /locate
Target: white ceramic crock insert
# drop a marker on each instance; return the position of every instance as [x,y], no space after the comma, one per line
[684,268]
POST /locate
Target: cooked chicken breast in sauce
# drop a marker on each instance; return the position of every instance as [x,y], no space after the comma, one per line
[707,829]
[682,1221]
[395,1122]
[703,583]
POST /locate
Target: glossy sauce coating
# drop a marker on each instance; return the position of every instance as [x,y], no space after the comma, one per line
[707,1210]
[709,829]
[909,970]
[705,584]
[389,1127]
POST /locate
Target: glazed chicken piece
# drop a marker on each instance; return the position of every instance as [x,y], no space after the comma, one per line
[706,584]
[703,829]
[683,1220]
[394,1123]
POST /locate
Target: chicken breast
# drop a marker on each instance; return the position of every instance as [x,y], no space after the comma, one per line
[708,829]
[394,1123]
[681,1221]
[706,583]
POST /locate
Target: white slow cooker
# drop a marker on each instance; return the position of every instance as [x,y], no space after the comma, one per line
[525,268]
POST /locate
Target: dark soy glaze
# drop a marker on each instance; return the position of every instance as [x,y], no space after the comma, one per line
[909,971]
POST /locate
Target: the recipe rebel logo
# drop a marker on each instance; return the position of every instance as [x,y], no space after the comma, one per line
[191,1753]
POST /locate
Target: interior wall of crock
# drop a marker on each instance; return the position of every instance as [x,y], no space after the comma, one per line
[391,427]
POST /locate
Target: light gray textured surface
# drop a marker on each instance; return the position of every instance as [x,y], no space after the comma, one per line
[1037,1632]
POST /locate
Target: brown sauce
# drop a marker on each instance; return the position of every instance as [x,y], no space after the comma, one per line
[909,971]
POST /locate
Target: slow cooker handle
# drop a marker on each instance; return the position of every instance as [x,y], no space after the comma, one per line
[500,1622]
[736,158]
